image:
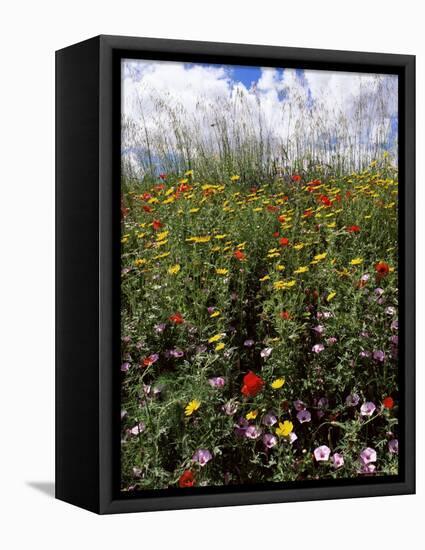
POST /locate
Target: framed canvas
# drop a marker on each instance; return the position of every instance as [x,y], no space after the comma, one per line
[235,274]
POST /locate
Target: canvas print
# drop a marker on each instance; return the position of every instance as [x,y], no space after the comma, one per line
[259,276]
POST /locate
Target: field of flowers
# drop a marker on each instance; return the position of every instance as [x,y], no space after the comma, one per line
[259,328]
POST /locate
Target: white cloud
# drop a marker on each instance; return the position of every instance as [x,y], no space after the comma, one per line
[288,107]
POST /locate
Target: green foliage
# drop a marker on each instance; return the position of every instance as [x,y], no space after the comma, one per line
[207,246]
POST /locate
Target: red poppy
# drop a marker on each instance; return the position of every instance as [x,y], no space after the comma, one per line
[347,194]
[163,176]
[239,255]
[308,213]
[159,187]
[147,208]
[146,196]
[177,318]
[281,219]
[156,224]
[150,360]
[296,178]
[325,200]
[388,402]
[382,269]
[183,187]
[338,197]
[187,479]
[272,208]
[285,315]
[252,384]
[353,229]
[283,241]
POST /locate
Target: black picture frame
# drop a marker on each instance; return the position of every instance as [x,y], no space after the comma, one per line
[87,270]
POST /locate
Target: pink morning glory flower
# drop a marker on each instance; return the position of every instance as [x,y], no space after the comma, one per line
[393,446]
[323,403]
[352,400]
[368,408]
[138,428]
[317,348]
[368,455]
[299,405]
[337,460]
[176,353]
[201,457]
[379,355]
[269,440]
[367,468]
[292,437]
[269,419]
[252,432]
[266,352]
[304,416]
[217,382]
[160,327]
[321,454]
[241,426]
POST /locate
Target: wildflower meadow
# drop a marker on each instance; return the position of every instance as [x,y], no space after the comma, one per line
[259,285]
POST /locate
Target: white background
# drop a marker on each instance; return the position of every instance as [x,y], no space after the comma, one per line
[30,32]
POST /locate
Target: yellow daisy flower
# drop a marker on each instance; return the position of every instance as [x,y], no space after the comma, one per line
[330,296]
[284,428]
[278,383]
[319,257]
[139,262]
[192,407]
[356,261]
[174,269]
[215,338]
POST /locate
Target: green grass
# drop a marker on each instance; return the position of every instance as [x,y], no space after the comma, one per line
[205,218]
